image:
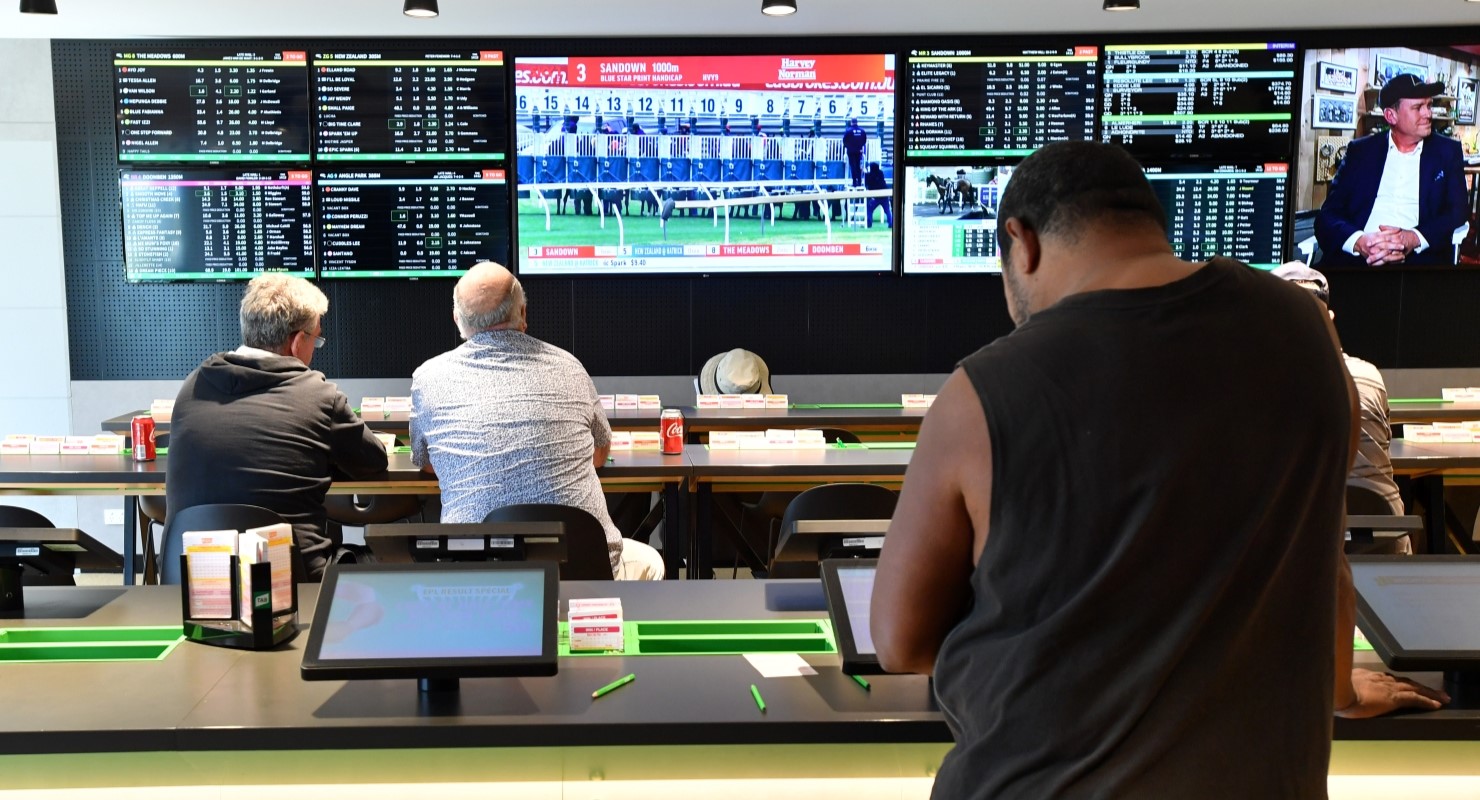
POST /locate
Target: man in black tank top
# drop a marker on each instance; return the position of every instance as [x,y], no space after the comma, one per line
[1119,543]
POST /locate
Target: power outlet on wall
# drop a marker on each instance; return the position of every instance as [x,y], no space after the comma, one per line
[112,516]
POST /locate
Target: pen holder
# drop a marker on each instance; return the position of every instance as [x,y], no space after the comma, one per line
[266,628]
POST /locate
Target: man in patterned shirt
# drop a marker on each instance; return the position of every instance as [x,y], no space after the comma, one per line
[506,418]
[1373,468]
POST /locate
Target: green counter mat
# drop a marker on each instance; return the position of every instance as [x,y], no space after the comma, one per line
[716,637]
[31,645]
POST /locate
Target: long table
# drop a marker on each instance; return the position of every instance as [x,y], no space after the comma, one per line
[632,471]
[868,420]
[204,716]
[704,472]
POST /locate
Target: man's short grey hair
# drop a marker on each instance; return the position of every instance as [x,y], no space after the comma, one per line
[276,306]
[469,321]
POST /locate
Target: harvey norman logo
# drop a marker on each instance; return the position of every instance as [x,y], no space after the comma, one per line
[797,69]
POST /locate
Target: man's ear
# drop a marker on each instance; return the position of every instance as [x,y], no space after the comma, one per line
[1027,239]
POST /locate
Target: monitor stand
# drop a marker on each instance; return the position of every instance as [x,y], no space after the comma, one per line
[437,685]
[1463,687]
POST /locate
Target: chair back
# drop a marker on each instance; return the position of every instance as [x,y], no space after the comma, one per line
[370,509]
[209,517]
[17,517]
[585,537]
[833,501]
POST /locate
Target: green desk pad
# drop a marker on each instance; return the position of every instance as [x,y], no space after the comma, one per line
[874,445]
[1392,400]
[716,638]
[49,645]
[159,451]
[845,405]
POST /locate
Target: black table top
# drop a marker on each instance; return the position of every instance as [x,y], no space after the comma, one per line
[206,698]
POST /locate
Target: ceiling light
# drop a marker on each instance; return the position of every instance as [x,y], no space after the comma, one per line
[420,9]
[1122,5]
[38,6]
[778,8]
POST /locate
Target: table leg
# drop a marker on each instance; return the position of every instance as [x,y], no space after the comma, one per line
[673,529]
[702,536]
[1433,514]
[130,536]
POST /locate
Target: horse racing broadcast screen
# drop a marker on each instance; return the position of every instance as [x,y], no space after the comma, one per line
[950,218]
[705,164]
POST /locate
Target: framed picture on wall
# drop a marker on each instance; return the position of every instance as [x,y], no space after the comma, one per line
[1331,111]
[1336,77]
[1464,101]
[1386,68]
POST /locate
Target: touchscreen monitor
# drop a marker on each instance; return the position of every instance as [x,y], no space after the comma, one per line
[849,586]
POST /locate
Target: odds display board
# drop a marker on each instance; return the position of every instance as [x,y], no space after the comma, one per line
[199,104]
[704,164]
[995,103]
[396,105]
[216,224]
[950,218]
[1233,210]
[426,221]
[1215,100]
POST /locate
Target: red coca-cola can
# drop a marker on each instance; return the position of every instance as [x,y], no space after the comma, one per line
[142,432]
[670,430]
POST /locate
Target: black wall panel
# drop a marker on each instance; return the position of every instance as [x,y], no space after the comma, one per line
[633,326]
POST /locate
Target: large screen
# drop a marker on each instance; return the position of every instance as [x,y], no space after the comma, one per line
[1233,210]
[1217,100]
[704,164]
[395,105]
[198,104]
[411,222]
[1367,195]
[950,218]
[216,224]
[971,103]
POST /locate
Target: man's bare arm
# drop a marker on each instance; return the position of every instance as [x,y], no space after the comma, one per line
[923,585]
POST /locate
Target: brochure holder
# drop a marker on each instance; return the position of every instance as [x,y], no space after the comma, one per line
[266,630]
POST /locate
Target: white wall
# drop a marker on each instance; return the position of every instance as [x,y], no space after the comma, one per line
[34,372]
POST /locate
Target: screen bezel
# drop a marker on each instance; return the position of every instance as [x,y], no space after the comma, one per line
[316,667]
[1385,642]
[854,662]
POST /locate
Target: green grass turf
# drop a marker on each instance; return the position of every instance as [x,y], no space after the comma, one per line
[574,229]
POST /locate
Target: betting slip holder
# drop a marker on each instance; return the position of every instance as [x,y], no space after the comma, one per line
[267,630]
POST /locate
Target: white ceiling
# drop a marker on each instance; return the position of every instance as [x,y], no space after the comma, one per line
[505,18]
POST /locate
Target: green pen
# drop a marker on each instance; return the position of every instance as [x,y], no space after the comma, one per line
[861,682]
[613,686]
[759,703]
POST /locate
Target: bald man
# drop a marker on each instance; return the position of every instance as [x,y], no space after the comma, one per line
[506,418]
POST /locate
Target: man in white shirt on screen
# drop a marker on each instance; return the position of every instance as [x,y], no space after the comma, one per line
[1397,196]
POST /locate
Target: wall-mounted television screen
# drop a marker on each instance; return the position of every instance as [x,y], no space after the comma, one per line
[216,224]
[950,218]
[211,104]
[1387,157]
[427,221]
[704,164]
[1233,210]
[1199,100]
[999,103]
[410,105]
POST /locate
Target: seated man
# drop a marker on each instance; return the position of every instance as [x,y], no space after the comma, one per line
[257,426]
[506,418]
[1372,469]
